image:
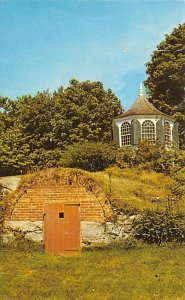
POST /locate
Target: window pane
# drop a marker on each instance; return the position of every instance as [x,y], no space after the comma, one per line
[125,134]
[167,133]
[148,131]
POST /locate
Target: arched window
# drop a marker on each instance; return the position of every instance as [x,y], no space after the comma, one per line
[125,134]
[167,133]
[148,131]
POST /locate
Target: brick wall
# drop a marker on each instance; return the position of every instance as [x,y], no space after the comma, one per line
[30,205]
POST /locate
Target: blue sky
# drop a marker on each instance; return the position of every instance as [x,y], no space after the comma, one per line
[44,43]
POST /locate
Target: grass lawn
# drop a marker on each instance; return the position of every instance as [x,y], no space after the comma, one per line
[146,272]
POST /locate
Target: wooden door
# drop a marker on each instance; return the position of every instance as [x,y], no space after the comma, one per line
[61,228]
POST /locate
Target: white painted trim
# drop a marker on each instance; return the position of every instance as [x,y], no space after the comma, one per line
[171,127]
[141,119]
[119,127]
[119,123]
[154,120]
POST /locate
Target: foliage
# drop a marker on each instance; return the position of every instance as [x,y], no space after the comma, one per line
[89,156]
[131,190]
[14,152]
[98,156]
[151,157]
[158,158]
[125,157]
[159,227]
[178,189]
[166,79]
[2,207]
[34,130]
[87,112]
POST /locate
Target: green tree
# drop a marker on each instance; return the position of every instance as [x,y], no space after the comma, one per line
[14,153]
[6,113]
[166,77]
[82,111]
[25,131]
[35,130]
[85,112]
[35,115]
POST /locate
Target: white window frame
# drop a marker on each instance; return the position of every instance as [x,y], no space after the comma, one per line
[125,134]
[168,135]
[151,131]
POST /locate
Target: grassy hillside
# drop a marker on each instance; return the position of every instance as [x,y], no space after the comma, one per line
[135,189]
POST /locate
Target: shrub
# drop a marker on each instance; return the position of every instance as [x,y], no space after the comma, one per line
[89,156]
[125,157]
[159,227]
[2,207]
[158,158]
[178,190]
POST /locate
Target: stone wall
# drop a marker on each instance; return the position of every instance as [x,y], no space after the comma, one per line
[92,232]
[31,230]
[9,184]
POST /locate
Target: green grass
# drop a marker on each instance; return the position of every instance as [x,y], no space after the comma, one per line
[131,189]
[146,272]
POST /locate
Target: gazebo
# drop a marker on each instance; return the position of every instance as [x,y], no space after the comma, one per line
[144,122]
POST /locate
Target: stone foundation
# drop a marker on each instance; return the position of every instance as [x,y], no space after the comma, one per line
[30,230]
[92,233]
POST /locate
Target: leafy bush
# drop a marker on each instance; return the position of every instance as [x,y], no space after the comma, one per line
[149,157]
[178,190]
[2,207]
[89,156]
[125,157]
[159,227]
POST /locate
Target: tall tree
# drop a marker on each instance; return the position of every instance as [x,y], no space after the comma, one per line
[166,77]
[34,130]
[85,112]
[14,152]
[82,111]
[6,113]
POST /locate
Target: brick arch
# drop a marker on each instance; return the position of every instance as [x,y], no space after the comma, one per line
[58,185]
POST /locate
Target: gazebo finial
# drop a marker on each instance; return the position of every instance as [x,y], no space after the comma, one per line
[141,90]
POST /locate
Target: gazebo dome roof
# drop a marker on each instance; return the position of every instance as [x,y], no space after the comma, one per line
[142,107]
